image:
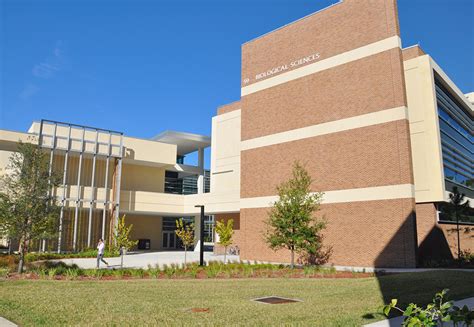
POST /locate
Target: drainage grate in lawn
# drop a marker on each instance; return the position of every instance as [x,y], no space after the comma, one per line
[275,300]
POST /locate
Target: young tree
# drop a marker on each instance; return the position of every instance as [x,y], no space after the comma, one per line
[459,206]
[225,232]
[186,233]
[28,208]
[291,224]
[122,240]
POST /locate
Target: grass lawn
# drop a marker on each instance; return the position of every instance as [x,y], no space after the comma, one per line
[326,302]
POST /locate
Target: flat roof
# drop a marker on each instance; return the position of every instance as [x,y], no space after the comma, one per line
[186,142]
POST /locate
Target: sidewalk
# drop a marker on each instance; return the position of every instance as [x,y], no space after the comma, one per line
[142,260]
[398,320]
[6,323]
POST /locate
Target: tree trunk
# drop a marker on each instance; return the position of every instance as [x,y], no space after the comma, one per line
[185,253]
[22,257]
[292,264]
[225,253]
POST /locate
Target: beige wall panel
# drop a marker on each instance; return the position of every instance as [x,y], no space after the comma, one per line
[342,27]
[424,129]
[147,227]
[362,234]
[142,178]
[149,152]
[225,153]
[9,139]
[4,160]
[372,156]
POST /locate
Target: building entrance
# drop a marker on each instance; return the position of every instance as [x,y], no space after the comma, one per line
[169,240]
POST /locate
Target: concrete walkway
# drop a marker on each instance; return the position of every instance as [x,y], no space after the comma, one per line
[6,323]
[142,260]
[398,320]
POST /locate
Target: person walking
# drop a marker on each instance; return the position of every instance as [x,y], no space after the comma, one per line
[100,253]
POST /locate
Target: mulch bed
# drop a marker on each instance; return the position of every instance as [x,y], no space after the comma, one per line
[297,274]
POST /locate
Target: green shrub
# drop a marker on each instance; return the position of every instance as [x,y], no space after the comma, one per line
[52,272]
[215,268]
[154,271]
[119,273]
[4,272]
[72,273]
[89,272]
[42,273]
[310,270]
[99,273]
[169,270]
[194,270]
[435,313]
[138,273]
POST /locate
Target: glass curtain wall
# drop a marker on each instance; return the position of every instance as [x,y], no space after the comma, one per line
[457,138]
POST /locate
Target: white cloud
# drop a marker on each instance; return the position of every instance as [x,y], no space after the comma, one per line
[44,70]
[28,91]
[52,64]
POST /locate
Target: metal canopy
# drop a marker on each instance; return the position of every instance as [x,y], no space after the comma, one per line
[186,142]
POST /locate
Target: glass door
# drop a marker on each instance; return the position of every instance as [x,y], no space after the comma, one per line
[169,240]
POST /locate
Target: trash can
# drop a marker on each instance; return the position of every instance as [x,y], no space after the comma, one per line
[144,244]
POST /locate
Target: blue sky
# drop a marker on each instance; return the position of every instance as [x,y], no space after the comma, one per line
[142,67]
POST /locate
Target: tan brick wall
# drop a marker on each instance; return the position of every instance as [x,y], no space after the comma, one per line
[466,233]
[228,107]
[412,52]
[373,233]
[340,92]
[372,156]
[343,27]
[425,220]
[237,238]
[439,240]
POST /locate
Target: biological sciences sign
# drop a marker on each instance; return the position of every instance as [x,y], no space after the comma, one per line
[285,67]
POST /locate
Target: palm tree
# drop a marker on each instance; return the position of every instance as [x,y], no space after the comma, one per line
[459,205]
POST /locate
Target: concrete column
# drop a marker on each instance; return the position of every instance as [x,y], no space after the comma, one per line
[200,180]
[201,158]
[197,233]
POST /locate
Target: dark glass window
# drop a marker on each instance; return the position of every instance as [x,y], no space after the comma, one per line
[447,213]
[457,138]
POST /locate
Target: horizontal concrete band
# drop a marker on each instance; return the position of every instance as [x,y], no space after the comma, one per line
[340,59]
[389,192]
[374,118]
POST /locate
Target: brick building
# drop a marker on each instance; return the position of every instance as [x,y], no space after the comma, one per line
[383,131]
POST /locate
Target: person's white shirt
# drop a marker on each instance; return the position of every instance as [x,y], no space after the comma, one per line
[101,247]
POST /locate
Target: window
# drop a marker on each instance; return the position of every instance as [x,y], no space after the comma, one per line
[447,214]
[457,138]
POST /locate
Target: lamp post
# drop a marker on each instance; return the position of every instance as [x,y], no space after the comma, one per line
[201,232]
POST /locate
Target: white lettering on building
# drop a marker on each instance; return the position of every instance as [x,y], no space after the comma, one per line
[282,68]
